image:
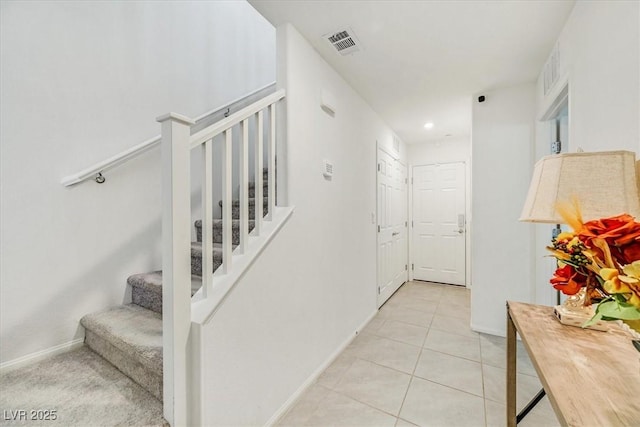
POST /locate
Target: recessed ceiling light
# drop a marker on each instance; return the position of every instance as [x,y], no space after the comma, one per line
[428,125]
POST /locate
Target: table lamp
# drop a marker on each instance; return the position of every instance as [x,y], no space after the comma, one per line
[603,183]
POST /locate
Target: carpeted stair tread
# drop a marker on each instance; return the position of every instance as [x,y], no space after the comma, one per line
[252,188]
[252,202]
[146,289]
[132,329]
[130,337]
[84,388]
[217,230]
[196,257]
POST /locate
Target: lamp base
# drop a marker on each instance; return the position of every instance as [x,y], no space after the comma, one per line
[577,318]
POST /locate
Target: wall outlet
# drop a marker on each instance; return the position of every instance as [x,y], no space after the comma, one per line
[328,169]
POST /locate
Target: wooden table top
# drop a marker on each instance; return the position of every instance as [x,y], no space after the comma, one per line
[592,378]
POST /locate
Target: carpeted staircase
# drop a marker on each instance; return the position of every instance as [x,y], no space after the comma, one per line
[130,336]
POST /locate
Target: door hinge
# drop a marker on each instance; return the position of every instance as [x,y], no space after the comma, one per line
[412,223]
[405,224]
[405,180]
[413,267]
[405,267]
[378,167]
[378,229]
[378,290]
[411,180]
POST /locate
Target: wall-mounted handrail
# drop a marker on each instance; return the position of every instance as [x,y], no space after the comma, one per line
[135,151]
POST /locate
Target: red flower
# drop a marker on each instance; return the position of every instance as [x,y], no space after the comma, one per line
[568,280]
[622,234]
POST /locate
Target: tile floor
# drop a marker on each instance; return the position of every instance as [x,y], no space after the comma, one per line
[417,363]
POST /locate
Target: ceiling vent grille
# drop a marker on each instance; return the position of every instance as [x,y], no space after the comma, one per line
[344,41]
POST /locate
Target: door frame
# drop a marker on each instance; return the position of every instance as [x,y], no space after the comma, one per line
[396,157]
[467,208]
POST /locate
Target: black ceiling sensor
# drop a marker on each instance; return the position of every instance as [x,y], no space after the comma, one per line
[481,98]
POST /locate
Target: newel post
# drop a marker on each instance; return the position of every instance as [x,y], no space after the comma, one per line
[176,263]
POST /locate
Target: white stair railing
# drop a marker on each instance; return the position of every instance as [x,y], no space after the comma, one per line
[177,144]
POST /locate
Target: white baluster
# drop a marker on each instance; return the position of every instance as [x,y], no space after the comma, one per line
[207,219]
[272,161]
[176,263]
[244,185]
[259,153]
[227,220]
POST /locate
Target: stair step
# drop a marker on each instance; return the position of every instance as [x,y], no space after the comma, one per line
[146,289]
[130,337]
[217,230]
[196,257]
[235,207]
[252,188]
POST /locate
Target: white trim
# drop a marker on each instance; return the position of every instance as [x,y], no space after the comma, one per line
[316,374]
[554,100]
[41,355]
[224,124]
[203,310]
[490,331]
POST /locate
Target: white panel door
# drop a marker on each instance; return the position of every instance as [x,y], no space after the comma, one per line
[439,223]
[392,226]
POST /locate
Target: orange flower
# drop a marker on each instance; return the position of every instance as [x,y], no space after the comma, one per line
[622,234]
[616,230]
[568,280]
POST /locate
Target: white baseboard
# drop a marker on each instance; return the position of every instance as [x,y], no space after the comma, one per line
[314,376]
[40,355]
[490,331]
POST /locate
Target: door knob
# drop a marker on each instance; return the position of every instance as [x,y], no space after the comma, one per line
[395,233]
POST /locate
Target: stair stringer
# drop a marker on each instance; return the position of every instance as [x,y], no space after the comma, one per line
[203,310]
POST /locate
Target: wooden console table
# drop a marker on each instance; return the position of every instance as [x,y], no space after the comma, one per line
[592,378]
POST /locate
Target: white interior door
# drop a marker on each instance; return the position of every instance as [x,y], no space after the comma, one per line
[438,233]
[392,225]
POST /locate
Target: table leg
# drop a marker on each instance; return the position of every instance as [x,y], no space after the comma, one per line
[511,371]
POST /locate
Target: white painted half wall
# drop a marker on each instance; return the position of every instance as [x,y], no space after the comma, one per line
[314,286]
[82,81]
[501,247]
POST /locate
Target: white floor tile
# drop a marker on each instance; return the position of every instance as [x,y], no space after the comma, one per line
[459,377]
[403,332]
[451,371]
[453,325]
[386,352]
[431,404]
[407,315]
[340,410]
[380,387]
[455,345]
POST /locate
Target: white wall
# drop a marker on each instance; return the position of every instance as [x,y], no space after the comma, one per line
[448,150]
[82,81]
[600,58]
[315,285]
[501,247]
[600,55]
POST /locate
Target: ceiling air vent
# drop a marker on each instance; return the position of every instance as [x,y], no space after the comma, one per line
[344,41]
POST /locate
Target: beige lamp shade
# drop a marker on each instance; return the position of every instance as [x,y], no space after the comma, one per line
[604,184]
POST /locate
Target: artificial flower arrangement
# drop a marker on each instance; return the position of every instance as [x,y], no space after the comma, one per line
[603,258]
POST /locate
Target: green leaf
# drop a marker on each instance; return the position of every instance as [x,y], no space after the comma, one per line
[597,317]
[617,310]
